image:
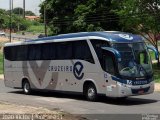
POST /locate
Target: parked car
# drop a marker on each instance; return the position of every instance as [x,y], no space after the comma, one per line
[41,36]
[2,33]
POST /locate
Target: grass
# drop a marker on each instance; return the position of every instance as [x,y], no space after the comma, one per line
[156,73]
[155,69]
[36,29]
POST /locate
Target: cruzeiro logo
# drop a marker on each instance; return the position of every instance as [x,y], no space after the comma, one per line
[77,70]
[129,82]
[125,36]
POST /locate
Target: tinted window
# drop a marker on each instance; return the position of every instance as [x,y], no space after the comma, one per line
[34,52]
[21,53]
[64,51]
[82,51]
[16,53]
[48,51]
[8,53]
[13,52]
[97,44]
[108,64]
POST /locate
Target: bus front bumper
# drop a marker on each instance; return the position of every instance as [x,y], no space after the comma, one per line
[127,90]
[123,90]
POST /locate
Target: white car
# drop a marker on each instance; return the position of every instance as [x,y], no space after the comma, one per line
[2,33]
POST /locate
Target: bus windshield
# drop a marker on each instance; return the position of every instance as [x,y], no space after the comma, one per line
[135,60]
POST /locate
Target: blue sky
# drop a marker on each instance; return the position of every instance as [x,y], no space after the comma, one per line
[30,4]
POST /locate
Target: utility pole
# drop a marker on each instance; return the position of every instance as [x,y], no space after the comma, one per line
[24,8]
[44,17]
[10,6]
[45,22]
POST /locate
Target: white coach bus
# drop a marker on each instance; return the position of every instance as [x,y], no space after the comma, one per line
[113,64]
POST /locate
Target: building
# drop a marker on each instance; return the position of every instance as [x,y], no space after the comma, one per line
[32,18]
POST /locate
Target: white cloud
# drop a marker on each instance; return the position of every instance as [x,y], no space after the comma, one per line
[17,3]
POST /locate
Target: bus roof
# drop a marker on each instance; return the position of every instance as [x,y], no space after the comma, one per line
[110,36]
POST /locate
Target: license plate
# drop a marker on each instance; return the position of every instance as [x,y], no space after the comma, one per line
[141,92]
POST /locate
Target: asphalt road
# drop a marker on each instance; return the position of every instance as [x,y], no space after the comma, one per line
[22,37]
[76,104]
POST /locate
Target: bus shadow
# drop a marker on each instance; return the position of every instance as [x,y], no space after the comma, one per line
[128,101]
[102,99]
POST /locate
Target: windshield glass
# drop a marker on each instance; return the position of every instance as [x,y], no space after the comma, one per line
[135,59]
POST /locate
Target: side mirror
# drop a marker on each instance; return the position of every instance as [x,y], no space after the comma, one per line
[114,51]
[150,47]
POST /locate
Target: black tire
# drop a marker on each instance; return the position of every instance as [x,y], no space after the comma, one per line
[91,92]
[26,87]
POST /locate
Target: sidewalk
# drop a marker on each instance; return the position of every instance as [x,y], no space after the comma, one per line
[19,112]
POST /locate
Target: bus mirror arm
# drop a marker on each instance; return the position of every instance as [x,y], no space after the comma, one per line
[114,51]
[150,47]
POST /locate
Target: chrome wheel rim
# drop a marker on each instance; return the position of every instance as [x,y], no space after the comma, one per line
[26,87]
[91,92]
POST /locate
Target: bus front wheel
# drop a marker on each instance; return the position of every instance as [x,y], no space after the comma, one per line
[91,92]
[26,87]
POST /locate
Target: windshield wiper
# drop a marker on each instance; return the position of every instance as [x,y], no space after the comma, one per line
[139,66]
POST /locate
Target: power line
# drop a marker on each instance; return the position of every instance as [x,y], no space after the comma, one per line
[103,16]
[107,18]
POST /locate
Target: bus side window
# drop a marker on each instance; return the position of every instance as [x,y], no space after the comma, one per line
[34,52]
[16,53]
[82,51]
[97,44]
[8,53]
[48,51]
[64,51]
[21,52]
[109,64]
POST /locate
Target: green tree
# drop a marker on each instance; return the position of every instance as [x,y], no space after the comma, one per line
[30,13]
[3,19]
[19,23]
[59,15]
[18,11]
[96,15]
[140,16]
[79,15]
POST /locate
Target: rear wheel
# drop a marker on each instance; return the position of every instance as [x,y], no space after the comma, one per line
[26,87]
[91,92]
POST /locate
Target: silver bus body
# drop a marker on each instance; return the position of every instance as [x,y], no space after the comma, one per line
[72,74]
